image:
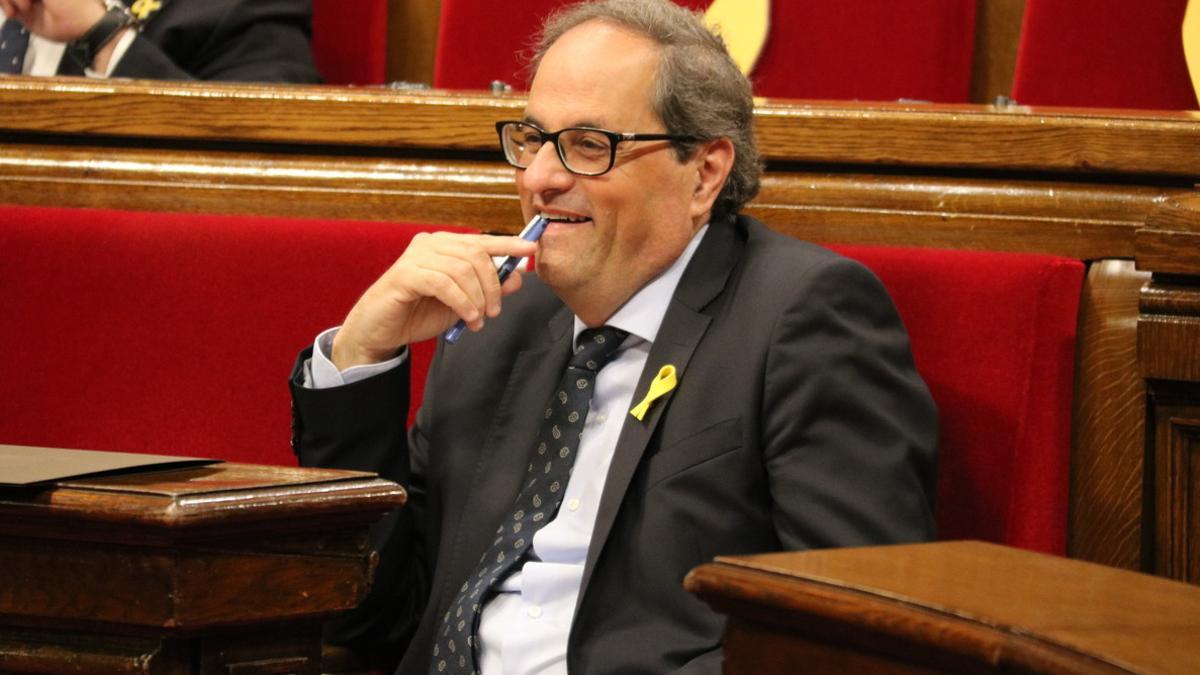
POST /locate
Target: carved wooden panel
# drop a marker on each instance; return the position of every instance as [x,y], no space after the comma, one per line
[283,649]
[1177,486]
[214,570]
[1169,359]
[1169,330]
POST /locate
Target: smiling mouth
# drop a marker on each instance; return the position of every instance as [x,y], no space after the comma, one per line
[568,220]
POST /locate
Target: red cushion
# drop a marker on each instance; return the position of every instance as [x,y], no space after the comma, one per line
[172,333]
[868,50]
[478,41]
[838,49]
[1103,53]
[350,40]
[993,334]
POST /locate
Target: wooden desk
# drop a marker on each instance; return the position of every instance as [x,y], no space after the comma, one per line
[962,607]
[223,569]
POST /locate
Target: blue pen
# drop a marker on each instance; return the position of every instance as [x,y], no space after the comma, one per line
[504,267]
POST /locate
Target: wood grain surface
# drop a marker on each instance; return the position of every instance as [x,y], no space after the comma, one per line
[227,500]
[897,134]
[1109,430]
[960,607]
[224,569]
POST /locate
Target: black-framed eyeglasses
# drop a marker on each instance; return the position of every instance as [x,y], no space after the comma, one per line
[585,151]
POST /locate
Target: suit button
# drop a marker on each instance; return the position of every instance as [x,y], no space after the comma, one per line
[535,612]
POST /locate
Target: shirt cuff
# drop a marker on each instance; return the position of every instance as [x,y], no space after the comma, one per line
[320,373]
[119,51]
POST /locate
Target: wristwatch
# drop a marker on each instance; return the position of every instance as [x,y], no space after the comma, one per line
[84,49]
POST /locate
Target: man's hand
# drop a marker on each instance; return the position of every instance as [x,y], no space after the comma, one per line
[58,20]
[440,278]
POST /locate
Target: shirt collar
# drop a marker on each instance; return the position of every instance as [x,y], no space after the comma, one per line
[642,315]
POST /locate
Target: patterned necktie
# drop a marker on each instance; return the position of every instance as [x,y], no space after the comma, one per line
[545,481]
[14,40]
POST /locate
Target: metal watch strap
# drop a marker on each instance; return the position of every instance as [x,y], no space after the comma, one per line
[83,51]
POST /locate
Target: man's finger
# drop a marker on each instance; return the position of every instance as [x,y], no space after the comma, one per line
[481,251]
[489,281]
[468,275]
[491,244]
[440,286]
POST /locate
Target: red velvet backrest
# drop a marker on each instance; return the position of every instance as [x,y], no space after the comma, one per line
[993,334]
[350,40]
[172,333]
[836,49]
[868,50]
[1103,53]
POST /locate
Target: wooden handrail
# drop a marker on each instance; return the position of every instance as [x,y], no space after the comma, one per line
[893,134]
[948,607]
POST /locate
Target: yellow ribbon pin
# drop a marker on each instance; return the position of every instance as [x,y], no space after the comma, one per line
[661,384]
[142,9]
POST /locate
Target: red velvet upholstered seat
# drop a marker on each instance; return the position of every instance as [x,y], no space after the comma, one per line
[1103,53]
[350,40]
[993,334]
[868,50]
[172,333]
[834,49]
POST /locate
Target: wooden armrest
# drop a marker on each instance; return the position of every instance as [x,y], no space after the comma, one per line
[960,606]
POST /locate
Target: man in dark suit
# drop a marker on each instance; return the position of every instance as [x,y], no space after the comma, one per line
[229,40]
[761,396]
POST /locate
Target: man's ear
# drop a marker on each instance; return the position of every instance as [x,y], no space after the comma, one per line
[713,162]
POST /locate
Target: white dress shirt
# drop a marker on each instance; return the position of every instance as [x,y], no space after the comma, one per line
[524,628]
[43,56]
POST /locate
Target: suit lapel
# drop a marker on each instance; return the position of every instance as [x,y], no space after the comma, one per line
[683,327]
[67,67]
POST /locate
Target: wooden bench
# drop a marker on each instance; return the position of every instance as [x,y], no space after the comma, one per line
[173,333]
[1113,190]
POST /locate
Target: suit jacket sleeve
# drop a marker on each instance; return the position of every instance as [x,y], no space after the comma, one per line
[360,427]
[228,40]
[849,428]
